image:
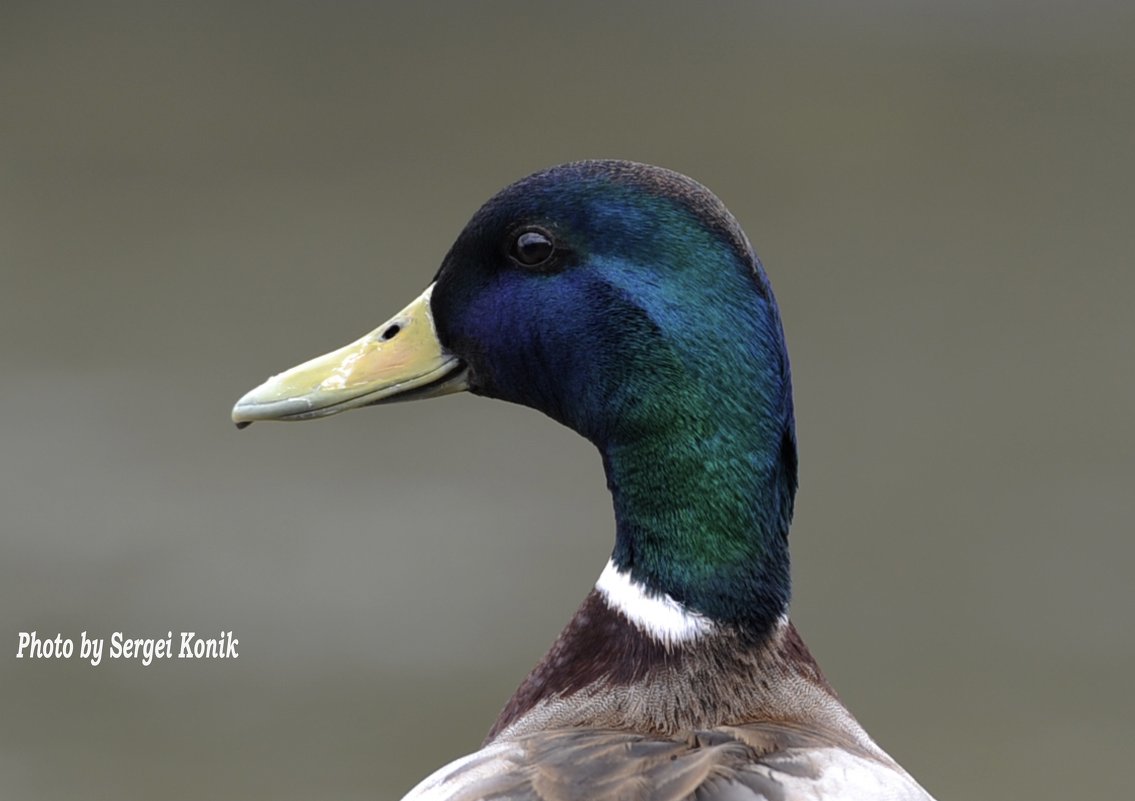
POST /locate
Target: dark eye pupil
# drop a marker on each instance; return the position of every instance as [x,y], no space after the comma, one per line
[532,248]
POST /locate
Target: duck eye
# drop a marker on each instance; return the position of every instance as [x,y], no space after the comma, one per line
[532,248]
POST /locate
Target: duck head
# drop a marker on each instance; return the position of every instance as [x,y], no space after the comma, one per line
[624,301]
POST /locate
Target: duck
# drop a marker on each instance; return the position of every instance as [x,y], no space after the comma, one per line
[626,302]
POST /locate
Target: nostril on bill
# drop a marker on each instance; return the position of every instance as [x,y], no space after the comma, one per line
[390,332]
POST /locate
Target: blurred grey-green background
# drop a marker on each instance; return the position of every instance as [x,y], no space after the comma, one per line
[193,196]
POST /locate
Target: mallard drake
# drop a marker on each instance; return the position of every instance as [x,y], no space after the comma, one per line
[625,302]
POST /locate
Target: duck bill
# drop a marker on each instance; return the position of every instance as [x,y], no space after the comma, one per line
[402,359]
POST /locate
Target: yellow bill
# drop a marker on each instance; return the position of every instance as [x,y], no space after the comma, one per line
[402,359]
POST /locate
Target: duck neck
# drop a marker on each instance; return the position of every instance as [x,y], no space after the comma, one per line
[690,613]
[702,510]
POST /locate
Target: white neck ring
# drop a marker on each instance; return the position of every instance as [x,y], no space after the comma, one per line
[655,614]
